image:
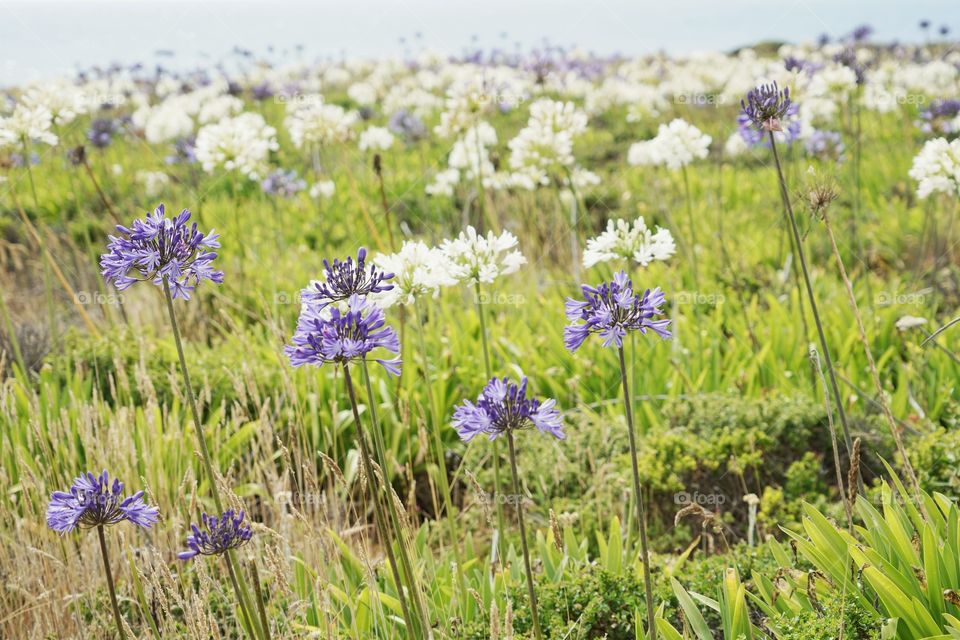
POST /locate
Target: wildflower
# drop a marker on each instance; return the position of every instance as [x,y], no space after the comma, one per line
[315,122]
[612,310]
[417,269]
[240,144]
[323,189]
[937,168]
[941,117]
[27,124]
[475,258]
[504,406]
[346,279]
[676,145]
[826,145]
[544,147]
[327,334]
[101,132]
[94,501]
[154,182]
[766,106]
[184,151]
[229,531]
[283,183]
[157,248]
[629,242]
[376,138]
[408,126]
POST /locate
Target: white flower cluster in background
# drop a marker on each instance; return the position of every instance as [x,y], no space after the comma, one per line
[27,123]
[624,241]
[937,168]
[473,258]
[242,144]
[418,270]
[676,145]
[544,148]
[314,122]
[376,139]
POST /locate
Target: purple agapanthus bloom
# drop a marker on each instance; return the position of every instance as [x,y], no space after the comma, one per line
[941,117]
[826,145]
[612,310]
[156,248]
[283,183]
[229,531]
[325,333]
[101,132]
[504,406]
[408,125]
[765,107]
[184,151]
[345,279]
[94,501]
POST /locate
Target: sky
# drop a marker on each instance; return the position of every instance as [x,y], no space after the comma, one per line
[41,39]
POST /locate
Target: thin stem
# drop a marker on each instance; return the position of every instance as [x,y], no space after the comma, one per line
[815,358]
[103,196]
[881,395]
[260,602]
[693,232]
[377,507]
[378,169]
[26,163]
[110,587]
[523,537]
[198,425]
[638,498]
[248,621]
[788,208]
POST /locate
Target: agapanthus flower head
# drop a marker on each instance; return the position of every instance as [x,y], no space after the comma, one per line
[158,247]
[101,132]
[765,106]
[344,279]
[285,184]
[325,333]
[217,535]
[612,310]
[418,271]
[93,500]
[624,241]
[504,406]
[407,125]
[475,258]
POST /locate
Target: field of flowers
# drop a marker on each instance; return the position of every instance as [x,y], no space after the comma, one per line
[499,346]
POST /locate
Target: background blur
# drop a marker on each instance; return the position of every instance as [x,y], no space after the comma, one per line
[45,38]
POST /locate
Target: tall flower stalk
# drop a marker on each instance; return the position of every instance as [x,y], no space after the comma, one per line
[612,310]
[502,408]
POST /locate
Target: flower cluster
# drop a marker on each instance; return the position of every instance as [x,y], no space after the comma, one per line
[94,501]
[612,310]
[765,107]
[503,406]
[545,146]
[344,279]
[676,145]
[621,240]
[826,145]
[313,122]
[242,144]
[375,139]
[229,531]
[285,184]
[327,334]
[474,258]
[157,248]
[407,125]
[30,124]
[937,168]
[101,132]
[417,269]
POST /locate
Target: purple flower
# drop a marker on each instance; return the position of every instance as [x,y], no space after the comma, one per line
[503,406]
[184,151]
[826,145]
[101,132]
[765,107]
[407,125]
[282,183]
[156,248]
[327,334]
[229,531]
[346,279]
[94,501]
[940,117]
[612,310]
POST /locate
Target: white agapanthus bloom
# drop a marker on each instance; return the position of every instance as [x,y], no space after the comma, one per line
[163,123]
[623,241]
[418,270]
[323,189]
[153,182]
[64,100]
[735,146]
[937,168]
[242,144]
[219,108]
[363,93]
[315,122]
[32,124]
[676,145]
[376,139]
[545,146]
[443,183]
[473,258]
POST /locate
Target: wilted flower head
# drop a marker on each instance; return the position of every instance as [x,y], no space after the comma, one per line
[327,334]
[283,183]
[94,501]
[612,310]
[504,406]
[156,248]
[621,240]
[101,132]
[229,531]
[475,258]
[417,269]
[345,279]
[766,106]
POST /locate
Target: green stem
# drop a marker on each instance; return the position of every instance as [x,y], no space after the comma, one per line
[693,232]
[638,497]
[523,537]
[260,602]
[26,163]
[247,620]
[110,587]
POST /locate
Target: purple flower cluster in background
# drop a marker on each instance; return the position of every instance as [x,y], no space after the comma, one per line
[327,334]
[184,151]
[156,248]
[218,535]
[101,132]
[826,145]
[345,279]
[503,406]
[408,126]
[612,310]
[283,183]
[941,117]
[94,501]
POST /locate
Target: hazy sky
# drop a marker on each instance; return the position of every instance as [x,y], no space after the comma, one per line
[45,37]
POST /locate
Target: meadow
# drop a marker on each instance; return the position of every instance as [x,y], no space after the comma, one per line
[778,461]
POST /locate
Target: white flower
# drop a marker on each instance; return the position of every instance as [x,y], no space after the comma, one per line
[315,122]
[545,145]
[241,144]
[417,270]
[363,93]
[219,108]
[27,123]
[376,139]
[443,183]
[153,182]
[64,100]
[909,322]
[163,123]
[474,258]
[677,144]
[735,145]
[621,240]
[323,189]
[937,168]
